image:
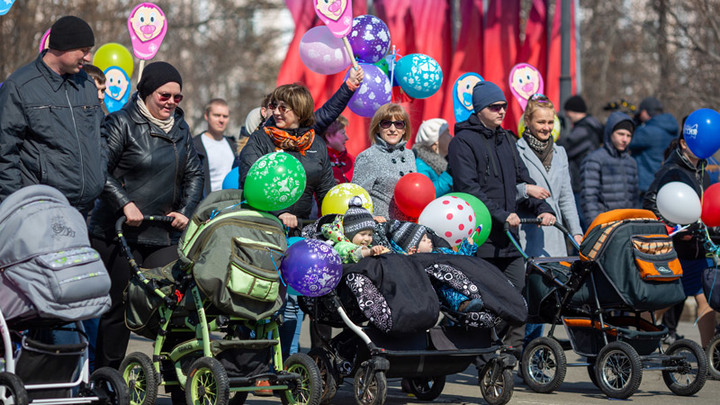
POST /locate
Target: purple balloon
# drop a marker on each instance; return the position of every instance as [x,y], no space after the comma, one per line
[322,52]
[374,92]
[369,38]
[313,268]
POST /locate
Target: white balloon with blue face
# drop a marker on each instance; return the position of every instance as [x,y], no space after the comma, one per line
[117,92]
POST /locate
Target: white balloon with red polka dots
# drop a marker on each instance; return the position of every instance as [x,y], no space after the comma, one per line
[450,217]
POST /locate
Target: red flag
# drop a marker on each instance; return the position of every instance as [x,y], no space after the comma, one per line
[552,80]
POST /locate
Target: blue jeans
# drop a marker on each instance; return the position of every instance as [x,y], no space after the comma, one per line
[290,329]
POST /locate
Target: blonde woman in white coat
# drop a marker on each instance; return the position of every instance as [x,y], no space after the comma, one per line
[547,164]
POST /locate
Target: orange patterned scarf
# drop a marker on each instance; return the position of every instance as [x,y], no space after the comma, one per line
[285,141]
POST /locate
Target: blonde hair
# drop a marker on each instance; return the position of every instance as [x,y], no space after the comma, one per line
[536,102]
[299,99]
[389,112]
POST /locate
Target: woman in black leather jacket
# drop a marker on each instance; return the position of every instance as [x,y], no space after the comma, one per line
[681,165]
[153,169]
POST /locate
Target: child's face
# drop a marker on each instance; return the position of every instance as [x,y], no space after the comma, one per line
[363,238]
[425,245]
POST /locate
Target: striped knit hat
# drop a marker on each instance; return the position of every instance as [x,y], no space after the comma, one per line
[356,218]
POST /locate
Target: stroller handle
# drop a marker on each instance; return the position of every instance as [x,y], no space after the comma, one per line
[536,221]
[157,218]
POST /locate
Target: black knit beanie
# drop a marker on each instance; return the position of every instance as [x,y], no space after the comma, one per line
[624,124]
[576,103]
[408,235]
[155,75]
[356,218]
[71,32]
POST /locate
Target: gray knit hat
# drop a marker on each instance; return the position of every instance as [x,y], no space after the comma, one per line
[407,235]
[356,218]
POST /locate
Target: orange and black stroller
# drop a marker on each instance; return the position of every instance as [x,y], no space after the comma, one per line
[627,266]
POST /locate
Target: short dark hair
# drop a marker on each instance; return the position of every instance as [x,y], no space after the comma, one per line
[266,100]
[340,123]
[95,72]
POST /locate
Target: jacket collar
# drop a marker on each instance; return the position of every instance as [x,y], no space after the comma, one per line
[134,113]
[473,123]
[386,146]
[53,78]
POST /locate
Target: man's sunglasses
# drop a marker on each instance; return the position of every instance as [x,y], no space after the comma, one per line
[385,124]
[177,98]
[497,107]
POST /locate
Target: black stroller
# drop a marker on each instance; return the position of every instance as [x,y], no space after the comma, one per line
[387,310]
[627,266]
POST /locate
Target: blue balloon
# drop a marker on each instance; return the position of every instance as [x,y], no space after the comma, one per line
[420,76]
[232,180]
[293,239]
[5,6]
[702,132]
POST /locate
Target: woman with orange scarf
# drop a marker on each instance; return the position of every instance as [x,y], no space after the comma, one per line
[294,128]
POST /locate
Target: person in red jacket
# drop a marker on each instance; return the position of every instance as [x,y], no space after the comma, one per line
[341,161]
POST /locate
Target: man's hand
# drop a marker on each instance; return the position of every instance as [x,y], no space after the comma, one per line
[513,219]
[180,222]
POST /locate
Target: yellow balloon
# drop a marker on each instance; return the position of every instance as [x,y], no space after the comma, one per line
[114,54]
[336,200]
[555,131]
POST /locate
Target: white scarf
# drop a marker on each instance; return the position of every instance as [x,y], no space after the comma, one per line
[165,125]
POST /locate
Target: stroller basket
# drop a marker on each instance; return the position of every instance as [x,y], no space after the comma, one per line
[42,363]
[586,335]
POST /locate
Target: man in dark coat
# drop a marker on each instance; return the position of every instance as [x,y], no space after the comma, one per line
[50,120]
[484,162]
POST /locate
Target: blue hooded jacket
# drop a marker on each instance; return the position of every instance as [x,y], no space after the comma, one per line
[648,145]
[609,176]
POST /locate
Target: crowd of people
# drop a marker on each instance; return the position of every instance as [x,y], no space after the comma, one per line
[144,160]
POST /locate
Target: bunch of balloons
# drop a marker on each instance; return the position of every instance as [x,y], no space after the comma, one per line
[337,199]
[274,182]
[311,267]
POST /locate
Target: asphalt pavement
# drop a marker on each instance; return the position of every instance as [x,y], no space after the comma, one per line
[462,388]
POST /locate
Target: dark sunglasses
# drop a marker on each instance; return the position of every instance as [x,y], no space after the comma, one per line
[177,98]
[497,107]
[385,124]
[281,107]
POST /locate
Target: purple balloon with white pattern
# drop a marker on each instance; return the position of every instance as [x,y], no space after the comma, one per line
[374,92]
[369,38]
[313,268]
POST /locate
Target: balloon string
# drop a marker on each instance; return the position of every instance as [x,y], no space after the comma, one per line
[276,267]
[216,211]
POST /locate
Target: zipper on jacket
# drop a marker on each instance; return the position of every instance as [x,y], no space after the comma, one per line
[177,169]
[77,137]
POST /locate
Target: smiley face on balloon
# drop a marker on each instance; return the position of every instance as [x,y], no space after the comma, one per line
[462,95]
[147,26]
[525,80]
[118,83]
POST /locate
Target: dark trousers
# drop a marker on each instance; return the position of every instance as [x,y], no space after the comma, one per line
[514,270]
[113,336]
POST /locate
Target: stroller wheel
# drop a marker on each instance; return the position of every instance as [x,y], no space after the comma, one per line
[713,355]
[207,383]
[328,374]
[369,389]
[691,371]
[544,365]
[12,390]
[496,383]
[309,386]
[426,388]
[618,370]
[108,385]
[592,374]
[138,372]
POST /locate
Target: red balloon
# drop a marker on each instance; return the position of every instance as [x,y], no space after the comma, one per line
[413,192]
[711,206]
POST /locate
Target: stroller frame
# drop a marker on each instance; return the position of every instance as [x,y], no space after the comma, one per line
[424,369]
[206,379]
[616,354]
[103,386]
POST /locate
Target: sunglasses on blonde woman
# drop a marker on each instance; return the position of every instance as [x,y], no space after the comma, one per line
[177,98]
[385,124]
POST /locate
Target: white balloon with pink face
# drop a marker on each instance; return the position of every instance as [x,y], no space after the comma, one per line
[147,26]
[450,217]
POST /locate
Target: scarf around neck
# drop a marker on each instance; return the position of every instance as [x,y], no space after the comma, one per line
[434,160]
[165,125]
[285,141]
[543,149]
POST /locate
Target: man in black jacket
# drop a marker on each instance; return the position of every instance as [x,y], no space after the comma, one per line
[484,162]
[50,120]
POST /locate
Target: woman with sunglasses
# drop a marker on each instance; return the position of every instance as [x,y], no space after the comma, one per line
[152,169]
[483,161]
[379,167]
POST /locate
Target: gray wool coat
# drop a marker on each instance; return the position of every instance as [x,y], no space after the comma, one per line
[546,240]
[377,170]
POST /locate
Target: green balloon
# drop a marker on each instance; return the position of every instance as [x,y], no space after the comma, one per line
[482,216]
[274,182]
